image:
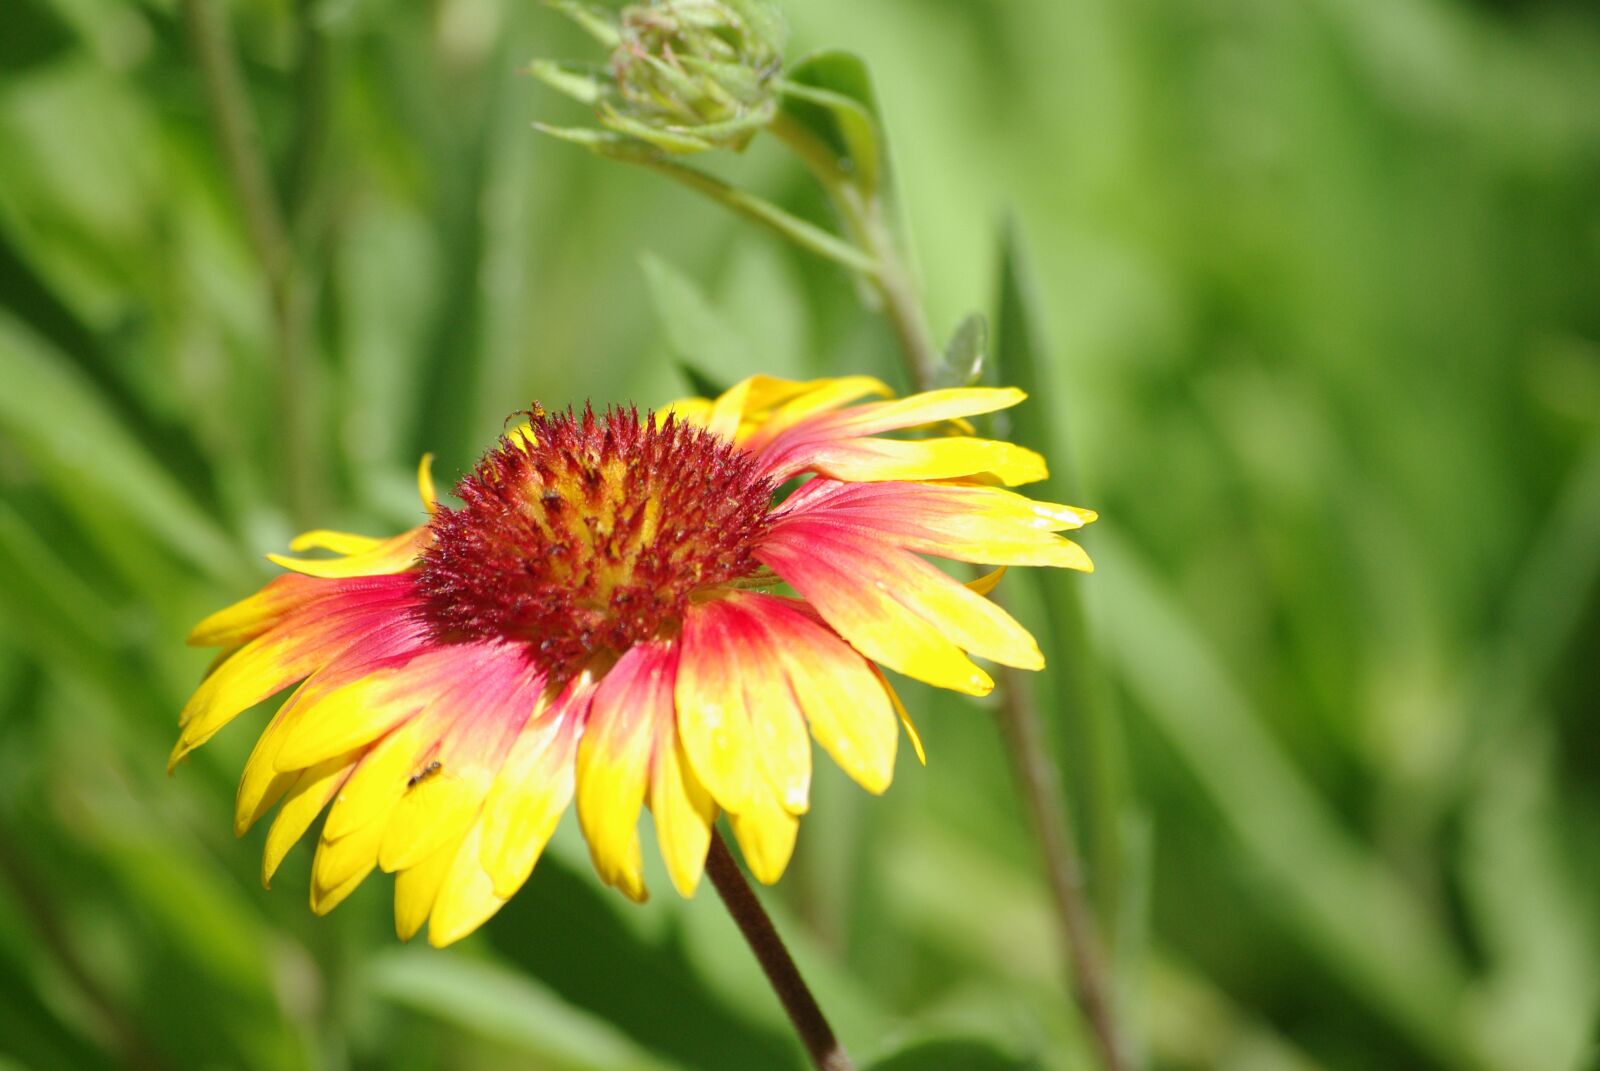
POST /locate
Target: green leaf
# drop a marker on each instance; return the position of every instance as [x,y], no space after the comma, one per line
[1533,918]
[65,430]
[829,95]
[1090,745]
[503,1005]
[696,332]
[35,34]
[1349,906]
[51,611]
[955,1055]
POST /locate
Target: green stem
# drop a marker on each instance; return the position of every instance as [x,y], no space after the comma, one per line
[1022,729]
[233,125]
[866,224]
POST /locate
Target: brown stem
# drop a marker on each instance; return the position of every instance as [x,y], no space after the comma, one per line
[1040,785]
[233,125]
[823,1047]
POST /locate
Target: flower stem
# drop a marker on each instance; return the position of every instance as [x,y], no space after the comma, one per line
[867,226]
[865,222]
[1040,785]
[823,1047]
[233,125]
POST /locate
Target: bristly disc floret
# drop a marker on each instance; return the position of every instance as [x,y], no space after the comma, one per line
[586,535]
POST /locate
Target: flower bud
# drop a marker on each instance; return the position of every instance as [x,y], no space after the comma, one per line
[685,75]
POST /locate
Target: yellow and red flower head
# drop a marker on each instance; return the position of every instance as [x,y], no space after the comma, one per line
[600,618]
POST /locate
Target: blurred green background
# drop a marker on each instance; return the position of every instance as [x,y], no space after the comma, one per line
[1319,300]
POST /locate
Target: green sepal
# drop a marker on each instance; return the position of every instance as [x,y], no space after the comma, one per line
[664,139]
[580,81]
[699,382]
[966,354]
[597,22]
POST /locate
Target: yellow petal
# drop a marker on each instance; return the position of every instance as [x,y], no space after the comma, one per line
[337,542]
[962,616]
[692,411]
[841,694]
[816,397]
[416,889]
[873,621]
[929,407]
[777,724]
[848,711]
[763,393]
[905,717]
[346,718]
[466,898]
[877,596]
[257,671]
[436,807]
[380,780]
[425,487]
[683,814]
[262,784]
[960,521]
[711,715]
[341,865]
[311,792]
[870,460]
[987,582]
[629,705]
[766,834]
[394,555]
[726,411]
[249,618]
[529,797]
[780,739]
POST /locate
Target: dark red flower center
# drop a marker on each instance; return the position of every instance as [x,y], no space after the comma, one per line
[587,535]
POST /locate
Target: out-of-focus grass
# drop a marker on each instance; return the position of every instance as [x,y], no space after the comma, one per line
[1318,288]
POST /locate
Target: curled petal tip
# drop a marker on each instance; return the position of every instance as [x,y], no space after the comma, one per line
[425,485]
